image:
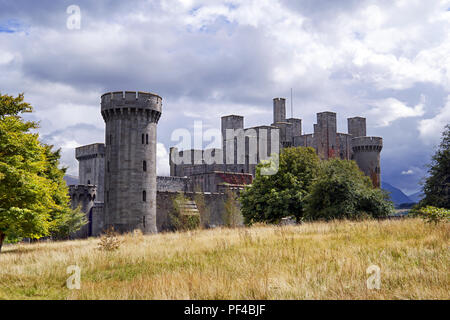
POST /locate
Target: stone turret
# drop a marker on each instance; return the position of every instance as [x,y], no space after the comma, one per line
[366,153]
[130,159]
[83,196]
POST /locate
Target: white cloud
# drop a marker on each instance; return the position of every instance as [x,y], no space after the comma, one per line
[408,172]
[162,160]
[432,128]
[388,110]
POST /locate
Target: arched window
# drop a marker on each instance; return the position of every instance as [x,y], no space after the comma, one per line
[89,181]
[146,139]
[144,165]
[142,138]
[144,196]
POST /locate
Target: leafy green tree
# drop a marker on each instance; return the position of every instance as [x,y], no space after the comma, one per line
[33,195]
[272,197]
[343,191]
[437,186]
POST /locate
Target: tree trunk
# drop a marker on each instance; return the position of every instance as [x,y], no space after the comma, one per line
[2,237]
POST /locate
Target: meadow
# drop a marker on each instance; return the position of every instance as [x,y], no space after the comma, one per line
[308,261]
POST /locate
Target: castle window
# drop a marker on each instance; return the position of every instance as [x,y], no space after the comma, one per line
[110,139]
[146,139]
[107,166]
[142,138]
[89,181]
[144,165]
[144,196]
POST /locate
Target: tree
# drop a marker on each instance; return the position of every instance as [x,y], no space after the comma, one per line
[343,191]
[437,186]
[272,197]
[33,195]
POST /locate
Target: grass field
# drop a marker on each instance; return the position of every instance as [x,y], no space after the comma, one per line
[309,261]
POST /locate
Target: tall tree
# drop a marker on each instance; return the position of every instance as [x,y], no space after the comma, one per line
[33,196]
[437,185]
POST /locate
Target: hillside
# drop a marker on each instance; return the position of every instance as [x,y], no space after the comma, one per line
[70,180]
[416,197]
[397,195]
[308,261]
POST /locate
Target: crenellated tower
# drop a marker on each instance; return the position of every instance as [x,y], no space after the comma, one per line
[366,153]
[130,159]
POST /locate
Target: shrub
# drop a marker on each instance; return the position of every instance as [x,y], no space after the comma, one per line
[109,240]
[232,215]
[272,197]
[343,191]
[432,214]
[180,219]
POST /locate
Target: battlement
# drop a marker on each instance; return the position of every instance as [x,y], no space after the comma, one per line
[132,96]
[124,104]
[367,144]
[231,116]
[80,191]
[90,151]
[82,188]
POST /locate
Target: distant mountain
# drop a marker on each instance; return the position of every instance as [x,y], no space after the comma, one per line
[70,179]
[397,195]
[416,197]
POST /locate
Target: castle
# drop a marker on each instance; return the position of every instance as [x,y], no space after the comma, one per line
[118,185]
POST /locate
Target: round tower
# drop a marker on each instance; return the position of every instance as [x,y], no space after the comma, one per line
[130,159]
[83,196]
[366,153]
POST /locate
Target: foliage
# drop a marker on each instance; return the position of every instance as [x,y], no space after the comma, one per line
[343,191]
[432,214]
[272,197]
[437,186]
[203,209]
[33,195]
[68,224]
[109,241]
[232,214]
[180,220]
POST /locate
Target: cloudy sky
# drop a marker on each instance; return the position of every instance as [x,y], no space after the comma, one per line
[388,61]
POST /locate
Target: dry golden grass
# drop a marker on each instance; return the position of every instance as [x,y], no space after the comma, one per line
[310,261]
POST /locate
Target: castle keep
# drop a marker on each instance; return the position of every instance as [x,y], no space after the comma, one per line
[118,186]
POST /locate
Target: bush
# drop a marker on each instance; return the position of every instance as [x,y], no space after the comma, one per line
[343,191]
[109,241]
[272,197]
[181,220]
[232,214]
[432,214]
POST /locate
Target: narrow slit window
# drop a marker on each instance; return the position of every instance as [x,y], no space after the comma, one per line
[144,196]
[146,139]
[144,165]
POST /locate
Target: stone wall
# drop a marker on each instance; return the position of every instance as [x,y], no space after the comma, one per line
[214,203]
